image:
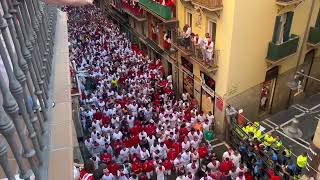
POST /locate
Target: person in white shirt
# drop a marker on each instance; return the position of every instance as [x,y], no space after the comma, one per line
[117,135]
[144,154]
[206,177]
[142,134]
[185,96]
[209,48]
[241,169]
[124,154]
[228,154]
[107,175]
[135,150]
[160,172]
[214,165]
[236,158]
[178,162]
[185,144]
[186,157]
[241,176]
[189,176]
[192,167]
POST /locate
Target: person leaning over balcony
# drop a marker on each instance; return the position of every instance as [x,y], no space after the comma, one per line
[69,2]
[209,48]
[167,41]
[196,44]
[186,36]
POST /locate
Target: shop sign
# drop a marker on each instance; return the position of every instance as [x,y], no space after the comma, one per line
[208,89]
[219,103]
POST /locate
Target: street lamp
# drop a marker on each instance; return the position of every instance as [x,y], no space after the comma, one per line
[296,84]
[298,78]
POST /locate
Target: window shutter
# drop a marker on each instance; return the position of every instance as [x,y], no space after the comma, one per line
[318,20]
[276,31]
[287,26]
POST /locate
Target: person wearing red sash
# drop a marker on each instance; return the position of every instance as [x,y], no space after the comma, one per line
[113,168]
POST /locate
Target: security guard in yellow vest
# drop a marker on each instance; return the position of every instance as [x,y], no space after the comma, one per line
[287,153]
[268,141]
[277,144]
[302,161]
[257,133]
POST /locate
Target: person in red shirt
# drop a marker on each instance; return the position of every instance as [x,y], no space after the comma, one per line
[136,130]
[113,168]
[136,166]
[135,140]
[177,147]
[117,146]
[203,151]
[105,157]
[169,143]
[226,165]
[148,167]
[97,115]
[168,166]
[87,171]
[172,154]
[105,120]
[128,142]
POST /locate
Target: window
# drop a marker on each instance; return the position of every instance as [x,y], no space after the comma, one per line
[282,28]
[212,29]
[189,18]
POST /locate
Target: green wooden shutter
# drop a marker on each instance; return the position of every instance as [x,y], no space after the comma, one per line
[287,26]
[318,20]
[276,31]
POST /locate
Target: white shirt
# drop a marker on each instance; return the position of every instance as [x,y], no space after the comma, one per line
[212,167]
[144,155]
[109,177]
[190,169]
[117,136]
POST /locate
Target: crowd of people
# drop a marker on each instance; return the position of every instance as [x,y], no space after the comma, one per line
[137,128]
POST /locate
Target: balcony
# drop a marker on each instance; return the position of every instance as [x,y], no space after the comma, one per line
[133,11]
[288,2]
[194,53]
[210,5]
[314,36]
[163,12]
[277,52]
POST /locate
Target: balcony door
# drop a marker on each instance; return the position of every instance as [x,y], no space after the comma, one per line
[282,28]
[189,18]
[212,29]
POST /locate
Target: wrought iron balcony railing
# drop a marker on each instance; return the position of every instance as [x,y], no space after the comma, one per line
[27,28]
[211,5]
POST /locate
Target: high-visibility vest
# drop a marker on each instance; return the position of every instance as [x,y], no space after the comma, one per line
[268,140]
[288,153]
[278,145]
[302,161]
[257,135]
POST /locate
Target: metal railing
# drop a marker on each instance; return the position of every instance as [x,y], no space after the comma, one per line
[209,4]
[27,28]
